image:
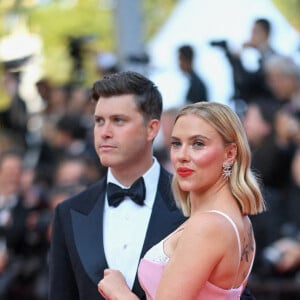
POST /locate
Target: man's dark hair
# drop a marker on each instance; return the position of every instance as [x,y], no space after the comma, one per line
[264,24]
[146,94]
[187,52]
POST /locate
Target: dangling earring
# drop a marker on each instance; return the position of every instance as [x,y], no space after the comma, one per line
[227,169]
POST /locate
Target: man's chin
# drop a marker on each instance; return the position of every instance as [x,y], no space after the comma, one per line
[108,163]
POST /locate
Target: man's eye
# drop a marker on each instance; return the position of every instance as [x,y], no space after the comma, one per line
[118,120]
[98,121]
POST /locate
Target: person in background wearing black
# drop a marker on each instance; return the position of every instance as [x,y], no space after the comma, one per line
[271,160]
[250,84]
[13,245]
[197,91]
[13,115]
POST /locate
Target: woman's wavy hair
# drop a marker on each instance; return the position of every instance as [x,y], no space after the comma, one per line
[244,185]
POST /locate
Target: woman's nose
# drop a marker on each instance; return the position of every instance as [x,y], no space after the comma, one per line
[182,154]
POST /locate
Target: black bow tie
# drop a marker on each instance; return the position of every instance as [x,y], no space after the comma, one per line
[136,192]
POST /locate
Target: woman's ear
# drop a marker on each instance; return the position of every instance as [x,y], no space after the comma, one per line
[231,152]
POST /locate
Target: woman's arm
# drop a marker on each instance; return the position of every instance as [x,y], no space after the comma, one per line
[199,250]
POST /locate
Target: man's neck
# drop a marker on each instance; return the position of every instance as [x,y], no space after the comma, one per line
[128,176]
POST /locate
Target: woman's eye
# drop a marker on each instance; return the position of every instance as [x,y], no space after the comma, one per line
[175,144]
[198,144]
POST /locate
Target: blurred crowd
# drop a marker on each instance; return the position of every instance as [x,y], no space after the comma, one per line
[47,156]
[37,170]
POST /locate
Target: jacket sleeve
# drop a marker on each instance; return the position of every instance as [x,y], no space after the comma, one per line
[62,284]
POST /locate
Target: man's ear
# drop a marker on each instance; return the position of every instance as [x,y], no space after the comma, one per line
[153,129]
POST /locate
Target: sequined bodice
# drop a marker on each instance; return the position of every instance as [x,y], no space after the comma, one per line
[156,254]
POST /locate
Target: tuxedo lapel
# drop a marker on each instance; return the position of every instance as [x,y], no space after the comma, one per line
[165,215]
[164,219]
[88,234]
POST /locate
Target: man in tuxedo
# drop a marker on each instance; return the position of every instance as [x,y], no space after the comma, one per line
[115,221]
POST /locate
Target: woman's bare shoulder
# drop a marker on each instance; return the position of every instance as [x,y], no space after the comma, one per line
[207,225]
[210,219]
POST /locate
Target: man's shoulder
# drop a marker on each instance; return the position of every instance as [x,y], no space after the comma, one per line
[165,179]
[164,188]
[85,198]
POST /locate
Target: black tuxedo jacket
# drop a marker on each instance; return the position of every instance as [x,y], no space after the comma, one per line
[77,258]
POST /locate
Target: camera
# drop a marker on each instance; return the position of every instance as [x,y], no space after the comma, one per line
[220,43]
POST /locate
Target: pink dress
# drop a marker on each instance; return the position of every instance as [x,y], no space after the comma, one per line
[152,266]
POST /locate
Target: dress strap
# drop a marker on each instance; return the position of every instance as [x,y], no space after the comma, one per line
[236,233]
[238,239]
[234,227]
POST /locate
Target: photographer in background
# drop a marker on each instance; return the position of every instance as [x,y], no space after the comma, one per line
[250,84]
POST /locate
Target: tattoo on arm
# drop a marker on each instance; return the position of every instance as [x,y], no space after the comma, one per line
[248,247]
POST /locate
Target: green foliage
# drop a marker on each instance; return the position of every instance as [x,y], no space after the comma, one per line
[156,12]
[59,20]
[56,24]
[291,10]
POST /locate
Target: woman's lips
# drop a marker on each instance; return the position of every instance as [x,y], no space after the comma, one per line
[184,172]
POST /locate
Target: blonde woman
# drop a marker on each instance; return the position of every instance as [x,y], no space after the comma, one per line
[209,256]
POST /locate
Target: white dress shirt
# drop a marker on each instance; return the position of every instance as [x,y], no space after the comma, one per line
[125,226]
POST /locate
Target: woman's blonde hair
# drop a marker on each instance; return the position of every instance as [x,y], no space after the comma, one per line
[244,185]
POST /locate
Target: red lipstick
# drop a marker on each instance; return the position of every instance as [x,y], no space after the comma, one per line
[184,171]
